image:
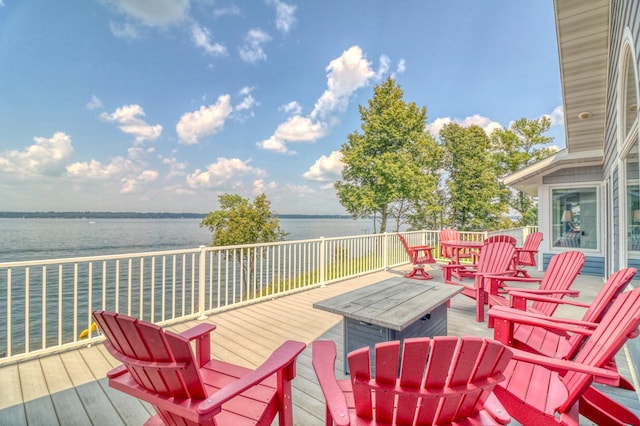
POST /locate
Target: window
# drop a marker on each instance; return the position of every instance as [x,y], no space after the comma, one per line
[575,218]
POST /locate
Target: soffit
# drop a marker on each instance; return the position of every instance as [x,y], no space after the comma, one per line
[583,45]
[530,178]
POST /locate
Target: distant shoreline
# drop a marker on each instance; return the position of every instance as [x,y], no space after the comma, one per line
[140,215]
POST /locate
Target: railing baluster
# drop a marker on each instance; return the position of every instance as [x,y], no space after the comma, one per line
[44,307]
[26,308]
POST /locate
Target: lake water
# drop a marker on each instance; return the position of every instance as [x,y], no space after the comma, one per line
[38,239]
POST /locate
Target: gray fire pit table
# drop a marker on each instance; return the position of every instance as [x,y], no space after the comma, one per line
[393,309]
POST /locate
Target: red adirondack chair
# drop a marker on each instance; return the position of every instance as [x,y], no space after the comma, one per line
[419,256]
[159,367]
[561,272]
[452,235]
[498,238]
[558,343]
[526,255]
[542,390]
[495,260]
[442,380]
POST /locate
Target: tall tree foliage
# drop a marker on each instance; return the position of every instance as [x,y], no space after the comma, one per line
[518,147]
[392,163]
[475,200]
[238,222]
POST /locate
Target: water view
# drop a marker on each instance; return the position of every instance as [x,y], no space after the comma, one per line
[37,239]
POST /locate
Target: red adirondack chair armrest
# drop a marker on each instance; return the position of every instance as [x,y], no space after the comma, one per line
[466,266]
[426,251]
[524,250]
[529,295]
[504,312]
[504,320]
[118,371]
[200,333]
[523,292]
[519,279]
[421,248]
[323,358]
[281,360]
[562,366]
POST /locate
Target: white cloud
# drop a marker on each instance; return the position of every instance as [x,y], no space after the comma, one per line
[119,166]
[202,38]
[232,10]
[437,125]
[128,118]
[176,168]
[153,13]
[385,62]
[274,145]
[299,190]
[345,75]
[557,116]
[259,186]
[223,171]
[206,121]
[285,15]
[247,103]
[94,102]
[246,90]
[485,123]
[251,50]
[402,66]
[292,107]
[129,185]
[295,129]
[46,157]
[124,30]
[326,168]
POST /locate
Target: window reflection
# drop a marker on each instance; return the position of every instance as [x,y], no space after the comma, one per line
[575,218]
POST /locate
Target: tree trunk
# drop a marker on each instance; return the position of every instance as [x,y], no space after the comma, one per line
[384,214]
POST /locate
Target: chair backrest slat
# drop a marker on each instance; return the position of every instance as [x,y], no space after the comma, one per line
[441,380]
[155,352]
[615,285]
[501,238]
[495,257]
[561,272]
[621,321]
[448,235]
[531,244]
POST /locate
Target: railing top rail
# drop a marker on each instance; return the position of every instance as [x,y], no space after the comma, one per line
[95,258]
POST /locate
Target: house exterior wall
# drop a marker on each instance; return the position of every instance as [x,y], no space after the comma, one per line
[624,27]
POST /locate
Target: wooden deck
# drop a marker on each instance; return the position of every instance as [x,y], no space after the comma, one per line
[70,387]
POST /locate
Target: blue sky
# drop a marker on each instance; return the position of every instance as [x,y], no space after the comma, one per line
[129,105]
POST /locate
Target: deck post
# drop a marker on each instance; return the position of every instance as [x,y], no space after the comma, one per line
[322,262]
[202,263]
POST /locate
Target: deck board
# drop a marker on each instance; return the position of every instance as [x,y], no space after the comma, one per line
[71,388]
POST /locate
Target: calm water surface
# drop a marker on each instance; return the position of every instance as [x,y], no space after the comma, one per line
[37,239]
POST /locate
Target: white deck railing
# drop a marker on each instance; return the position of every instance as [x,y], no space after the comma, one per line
[48,304]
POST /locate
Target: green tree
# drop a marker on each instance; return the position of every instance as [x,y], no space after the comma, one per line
[393,162]
[475,200]
[240,222]
[518,147]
